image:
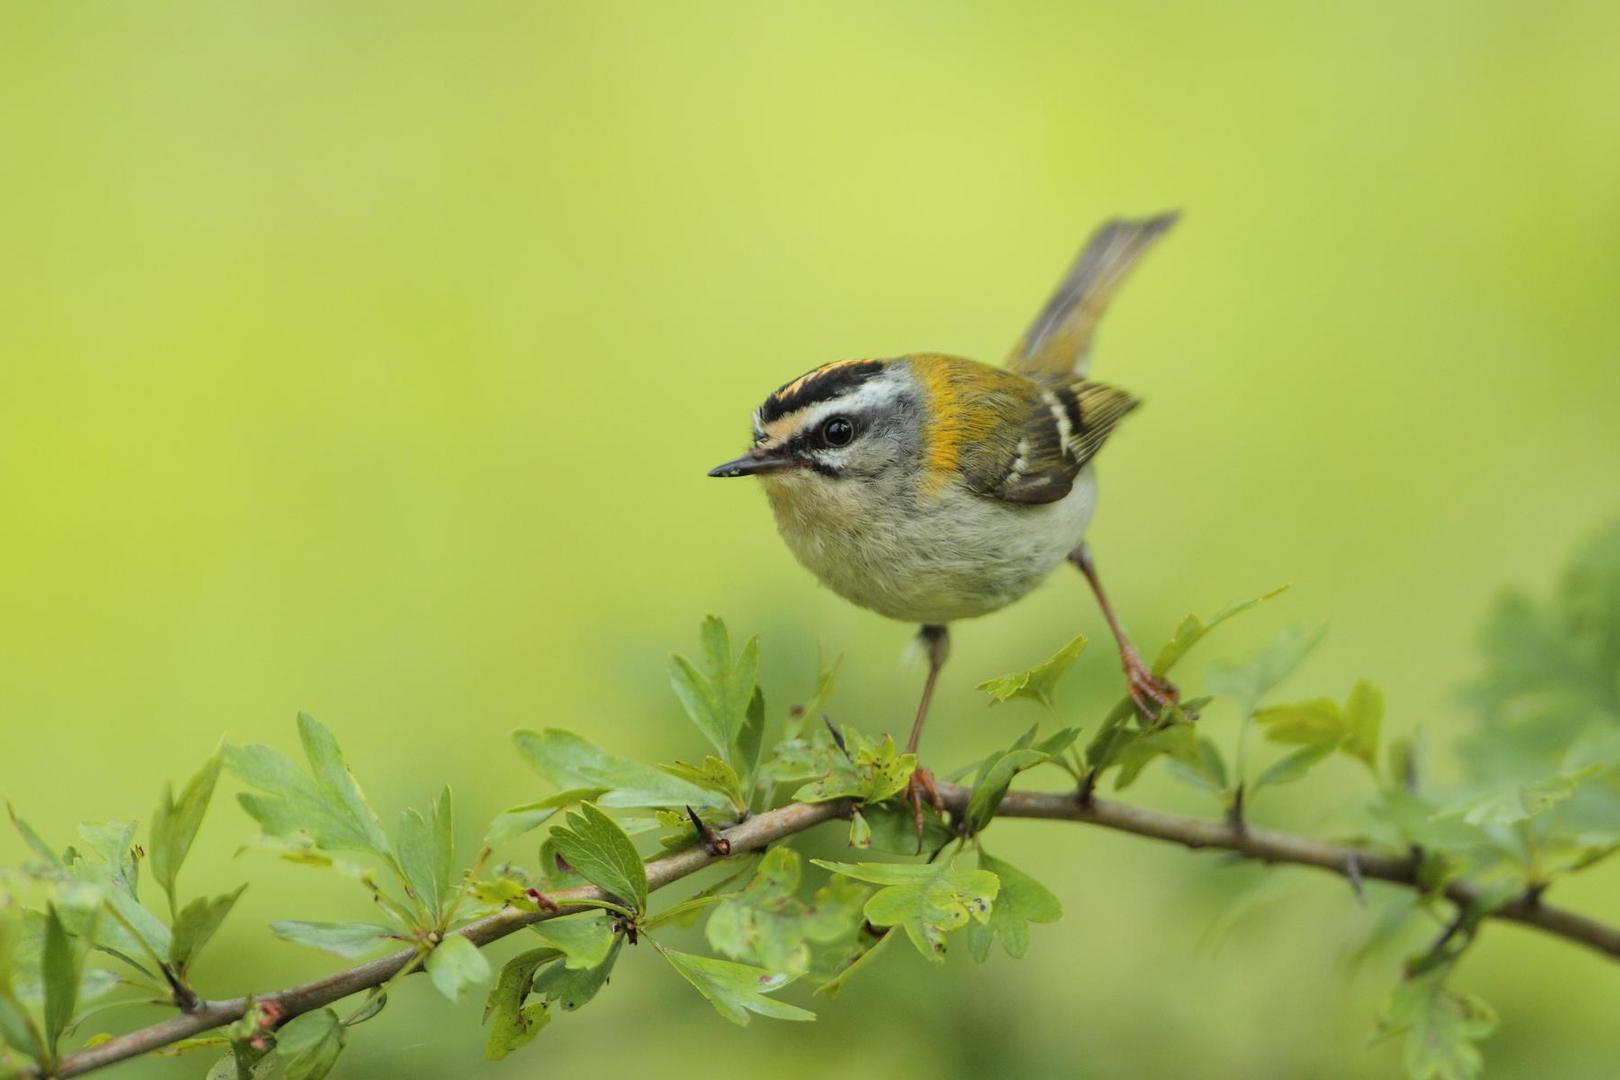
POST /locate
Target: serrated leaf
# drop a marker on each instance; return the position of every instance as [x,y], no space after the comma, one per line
[714,775]
[1248,684]
[766,923]
[869,772]
[717,699]
[1293,766]
[62,961]
[569,761]
[513,1024]
[735,990]
[350,940]
[175,823]
[991,787]
[600,852]
[1191,630]
[308,1045]
[863,958]
[455,966]
[927,901]
[1207,772]
[571,988]
[325,803]
[1441,1027]
[196,924]
[892,827]
[751,737]
[426,849]
[513,822]
[1039,682]
[584,940]
[1179,741]
[1507,804]
[1021,900]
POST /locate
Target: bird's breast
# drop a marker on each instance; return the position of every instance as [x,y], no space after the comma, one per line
[921,557]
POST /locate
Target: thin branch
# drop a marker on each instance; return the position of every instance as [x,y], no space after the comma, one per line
[1249,841]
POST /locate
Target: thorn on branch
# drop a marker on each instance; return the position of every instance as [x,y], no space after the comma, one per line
[541,900]
[1234,813]
[712,842]
[837,736]
[1352,871]
[1088,788]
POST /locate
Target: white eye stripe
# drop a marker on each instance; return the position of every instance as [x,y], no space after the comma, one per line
[869,396]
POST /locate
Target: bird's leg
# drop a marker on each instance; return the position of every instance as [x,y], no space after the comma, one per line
[1151,693]
[937,641]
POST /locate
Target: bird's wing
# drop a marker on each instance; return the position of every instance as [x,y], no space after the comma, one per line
[1058,344]
[1045,442]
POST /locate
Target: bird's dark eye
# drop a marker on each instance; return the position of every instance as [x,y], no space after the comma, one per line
[838,431]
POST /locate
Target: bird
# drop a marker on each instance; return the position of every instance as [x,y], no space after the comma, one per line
[931,488]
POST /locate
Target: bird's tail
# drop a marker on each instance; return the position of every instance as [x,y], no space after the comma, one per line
[1058,343]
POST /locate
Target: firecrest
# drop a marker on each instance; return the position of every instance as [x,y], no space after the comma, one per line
[931,488]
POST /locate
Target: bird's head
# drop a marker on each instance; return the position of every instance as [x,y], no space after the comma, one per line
[847,421]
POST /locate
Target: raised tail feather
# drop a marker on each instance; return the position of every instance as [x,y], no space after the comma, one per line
[1058,343]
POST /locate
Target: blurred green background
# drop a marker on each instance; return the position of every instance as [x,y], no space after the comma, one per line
[367,358]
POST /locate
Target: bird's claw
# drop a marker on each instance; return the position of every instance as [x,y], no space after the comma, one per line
[1152,694]
[919,787]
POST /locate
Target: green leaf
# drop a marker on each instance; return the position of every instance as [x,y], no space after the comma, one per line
[1021,900]
[427,854]
[332,772]
[513,822]
[309,1045]
[1506,804]
[865,955]
[1039,682]
[893,829]
[1294,766]
[1179,741]
[326,804]
[1249,683]
[513,1024]
[601,853]
[108,862]
[735,990]
[1364,717]
[1207,772]
[455,965]
[350,940]
[1192,630]
[927,901]
[712,775]
[767,924]
[175,823]
[569,761]
[993,782]
[196,924]
[717,699]
[583,940]
[572,988]
[1441,1027]
[868,771]
[61,965]
[751,737]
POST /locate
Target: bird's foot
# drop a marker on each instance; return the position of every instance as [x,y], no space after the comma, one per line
[919,788]
[1152,694]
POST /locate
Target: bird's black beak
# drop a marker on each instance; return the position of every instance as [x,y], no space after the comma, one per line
[756,462]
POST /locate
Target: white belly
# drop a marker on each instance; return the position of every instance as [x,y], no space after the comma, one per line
[927,560]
